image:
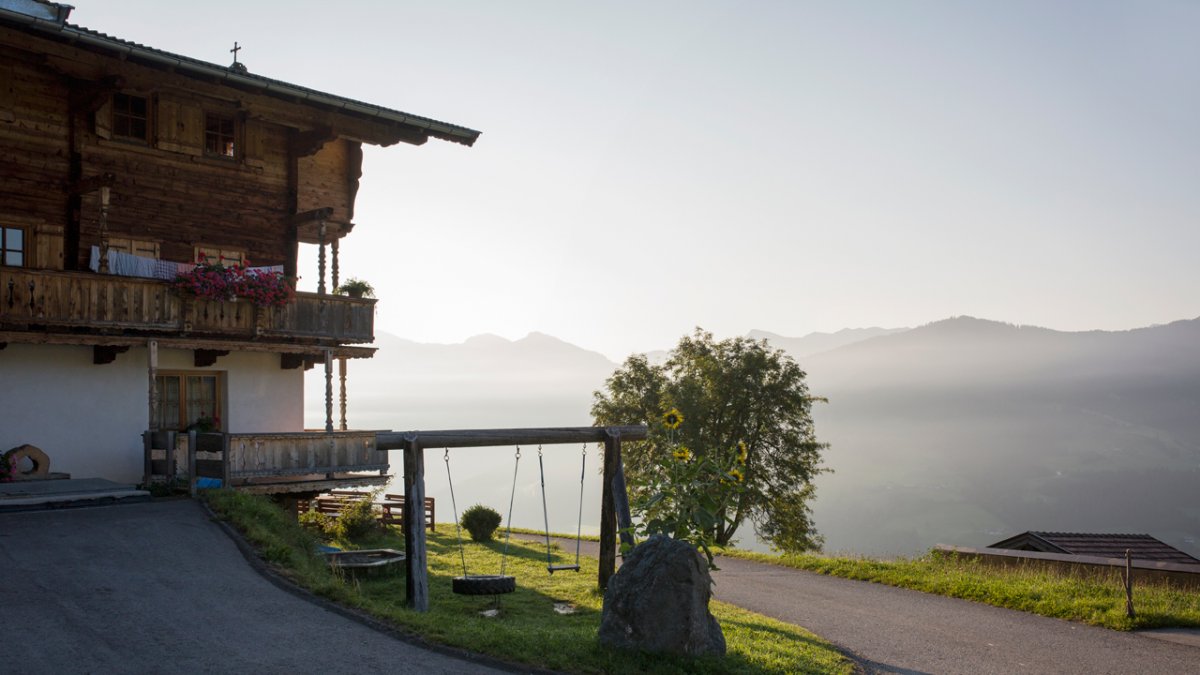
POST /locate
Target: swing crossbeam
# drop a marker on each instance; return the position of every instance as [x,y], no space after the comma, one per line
[615,519]
[478,438]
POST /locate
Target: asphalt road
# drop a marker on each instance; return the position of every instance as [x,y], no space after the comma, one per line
[895,630]
[159,588]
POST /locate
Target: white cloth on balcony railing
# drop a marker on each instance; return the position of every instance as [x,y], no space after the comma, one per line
[128,265]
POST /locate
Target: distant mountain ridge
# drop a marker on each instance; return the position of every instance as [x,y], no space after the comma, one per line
[815,343]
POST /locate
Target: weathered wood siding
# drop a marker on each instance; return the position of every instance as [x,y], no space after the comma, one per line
[258,455]
[34,163]
[329,178]
[80,299]
[55,105]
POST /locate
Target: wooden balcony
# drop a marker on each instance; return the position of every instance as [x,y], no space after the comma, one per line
[270,462]
[67,301]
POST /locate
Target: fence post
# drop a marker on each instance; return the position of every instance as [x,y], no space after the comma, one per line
[1129,583]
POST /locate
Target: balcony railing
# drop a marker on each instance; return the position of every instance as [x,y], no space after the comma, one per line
[279,462]
[84,300]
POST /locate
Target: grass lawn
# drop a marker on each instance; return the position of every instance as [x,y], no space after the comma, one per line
[1097,599]
[528,630]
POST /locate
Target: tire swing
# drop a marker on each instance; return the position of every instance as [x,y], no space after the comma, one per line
[550,566]
[483,584]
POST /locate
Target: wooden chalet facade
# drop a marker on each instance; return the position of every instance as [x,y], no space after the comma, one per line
[120,165]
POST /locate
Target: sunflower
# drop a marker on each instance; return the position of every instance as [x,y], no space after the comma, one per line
[682,453]
[742,452]
[672,419]
[737,475]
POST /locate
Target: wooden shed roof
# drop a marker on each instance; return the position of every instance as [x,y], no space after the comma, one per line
[415,126]
[1143,546]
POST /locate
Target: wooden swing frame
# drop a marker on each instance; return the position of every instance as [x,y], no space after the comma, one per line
[615,519]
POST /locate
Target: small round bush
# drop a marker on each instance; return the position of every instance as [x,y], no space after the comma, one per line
[481,522]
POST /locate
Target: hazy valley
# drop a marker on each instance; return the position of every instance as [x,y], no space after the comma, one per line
[961,431]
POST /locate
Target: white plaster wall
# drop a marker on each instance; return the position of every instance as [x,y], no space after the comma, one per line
[89,418]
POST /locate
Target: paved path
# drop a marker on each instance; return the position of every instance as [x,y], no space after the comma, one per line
[895,630]
[157,587]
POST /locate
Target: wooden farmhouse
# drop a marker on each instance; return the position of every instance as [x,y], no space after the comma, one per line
[121,166]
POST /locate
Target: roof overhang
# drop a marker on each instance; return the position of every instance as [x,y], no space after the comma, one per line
[405,127]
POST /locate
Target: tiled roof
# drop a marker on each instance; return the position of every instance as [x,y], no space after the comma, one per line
[1142,546]
[237,77]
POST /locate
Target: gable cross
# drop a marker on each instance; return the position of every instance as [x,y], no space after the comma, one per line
[235,50]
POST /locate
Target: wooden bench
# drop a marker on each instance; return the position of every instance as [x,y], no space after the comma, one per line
[390,509]
[393,511]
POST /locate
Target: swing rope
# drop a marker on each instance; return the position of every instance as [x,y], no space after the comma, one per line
[550,566]
[508,533]
[454,505]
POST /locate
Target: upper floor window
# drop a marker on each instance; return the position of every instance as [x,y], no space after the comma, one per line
[218,135]
[130,117]
[12,246]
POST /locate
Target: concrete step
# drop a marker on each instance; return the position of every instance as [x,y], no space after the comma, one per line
[36,495]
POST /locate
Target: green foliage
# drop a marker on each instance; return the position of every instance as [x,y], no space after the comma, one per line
[744,405]
[318,522]
[357,521]
[1096,598]
[355,287]
[481,521]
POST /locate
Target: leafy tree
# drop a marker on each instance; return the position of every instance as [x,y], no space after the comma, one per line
[743,404]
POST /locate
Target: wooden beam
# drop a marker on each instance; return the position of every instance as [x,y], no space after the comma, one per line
[102,354]
[203,358]
[294,361]
[342,379]
[476,438]
[312,351]
[416,580]
[329,391]
[92,183]
[152,371]
[311,216]
[87,97]
[608,514]
[306,143]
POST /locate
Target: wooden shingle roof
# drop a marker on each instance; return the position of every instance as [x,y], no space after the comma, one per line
[1142,546]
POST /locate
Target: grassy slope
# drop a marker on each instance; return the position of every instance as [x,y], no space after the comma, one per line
[1097,599]
[528,629]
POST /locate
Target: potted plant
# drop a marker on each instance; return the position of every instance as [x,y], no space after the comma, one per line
[355,288]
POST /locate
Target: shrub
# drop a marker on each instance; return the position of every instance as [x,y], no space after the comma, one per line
[317,521]
[357,521]
[481,522]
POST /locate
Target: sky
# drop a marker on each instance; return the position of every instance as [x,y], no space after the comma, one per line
[649,167]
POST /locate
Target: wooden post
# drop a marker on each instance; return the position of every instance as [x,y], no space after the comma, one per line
[334,276]
[225,468]
[148,449]
[416,582]
[1129,583]
[321,260]
[608,514]
[191,459]
[152,367]
[621,502]
[342,379]
[328,391]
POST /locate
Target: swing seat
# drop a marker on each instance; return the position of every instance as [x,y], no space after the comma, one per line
[484,584]
[561,568]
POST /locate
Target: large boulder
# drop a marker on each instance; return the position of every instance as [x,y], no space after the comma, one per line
[658,602]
